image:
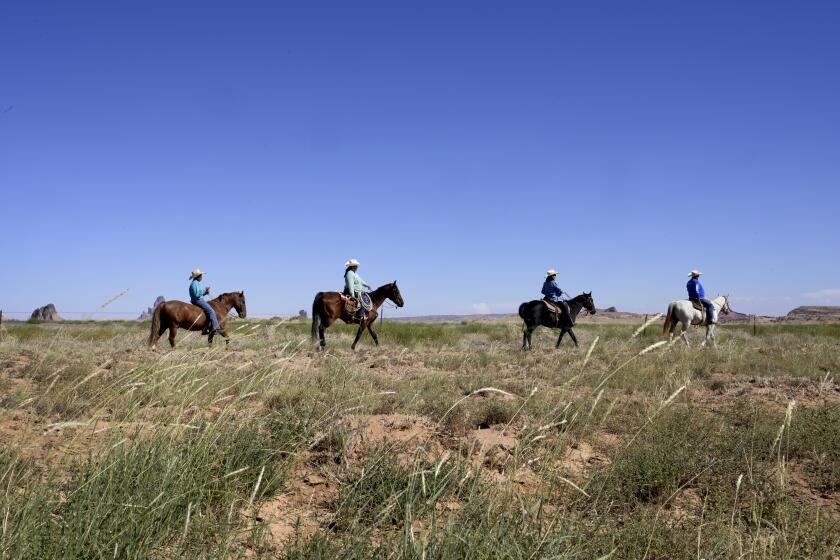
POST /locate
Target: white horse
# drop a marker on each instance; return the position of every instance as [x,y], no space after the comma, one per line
[682,311]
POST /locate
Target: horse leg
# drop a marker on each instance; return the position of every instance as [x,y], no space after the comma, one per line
[684,335]
[710,335]
[373,334]
[574,338]
[358,336]
[560,338]
[671,332]
[526,336]
[322,341]
[156,336]
[173,329]
[529,329]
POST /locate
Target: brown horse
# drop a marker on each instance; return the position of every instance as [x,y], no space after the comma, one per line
[173,314]
[328,307]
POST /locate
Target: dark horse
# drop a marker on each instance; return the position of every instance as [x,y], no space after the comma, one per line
[173,314]
[536,313]
[328,307]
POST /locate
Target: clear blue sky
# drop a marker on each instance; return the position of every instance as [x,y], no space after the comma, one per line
[461,148]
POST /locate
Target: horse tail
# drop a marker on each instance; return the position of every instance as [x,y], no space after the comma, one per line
[316,315]
[668,318]
[153,336]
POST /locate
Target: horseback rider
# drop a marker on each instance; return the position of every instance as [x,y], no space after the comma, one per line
[353,285]
[696,293]
[197,293]
[553,294]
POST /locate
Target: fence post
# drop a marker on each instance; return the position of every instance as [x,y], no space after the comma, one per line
[755,328]
[644,334]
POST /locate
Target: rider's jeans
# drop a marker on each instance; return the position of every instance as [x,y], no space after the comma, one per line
[710,309]
[210,313]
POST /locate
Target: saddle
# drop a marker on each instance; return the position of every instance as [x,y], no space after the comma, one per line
[554,308]
[698,305]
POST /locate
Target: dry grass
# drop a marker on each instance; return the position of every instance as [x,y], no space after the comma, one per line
[445,442]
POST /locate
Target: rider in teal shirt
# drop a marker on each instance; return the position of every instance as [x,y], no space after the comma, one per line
[197,293]
[353,284]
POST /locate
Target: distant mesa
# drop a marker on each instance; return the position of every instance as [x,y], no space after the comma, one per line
[147,314]
[302,313]
[611,310]
[46,313]
[815,313]
[734,317]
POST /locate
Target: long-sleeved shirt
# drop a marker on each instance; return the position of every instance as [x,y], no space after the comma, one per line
[552,291]
[196,291]
[695,289]
[353,283]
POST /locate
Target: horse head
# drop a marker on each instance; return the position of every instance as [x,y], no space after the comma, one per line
[395,295]
[725,309]
[588,302]
[238,299]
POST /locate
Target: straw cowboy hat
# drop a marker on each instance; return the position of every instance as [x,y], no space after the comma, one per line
[196,273]
[550,272]
[351,262]
[695,273]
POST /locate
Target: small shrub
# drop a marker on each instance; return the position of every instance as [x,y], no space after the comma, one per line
[815,436]
[667,454]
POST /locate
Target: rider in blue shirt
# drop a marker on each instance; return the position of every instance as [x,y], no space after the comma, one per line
[697,293]
[553,293]
[197,293]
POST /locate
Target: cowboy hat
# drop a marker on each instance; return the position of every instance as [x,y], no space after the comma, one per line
[695,273]
[550,272]
[196,273]
[351,262]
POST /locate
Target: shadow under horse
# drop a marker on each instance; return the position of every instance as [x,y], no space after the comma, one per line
[174,314]
[328,307]
[536,313]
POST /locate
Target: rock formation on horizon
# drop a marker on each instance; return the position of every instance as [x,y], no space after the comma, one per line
[815,313]
[46,313]
[302,313]
[147,314]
